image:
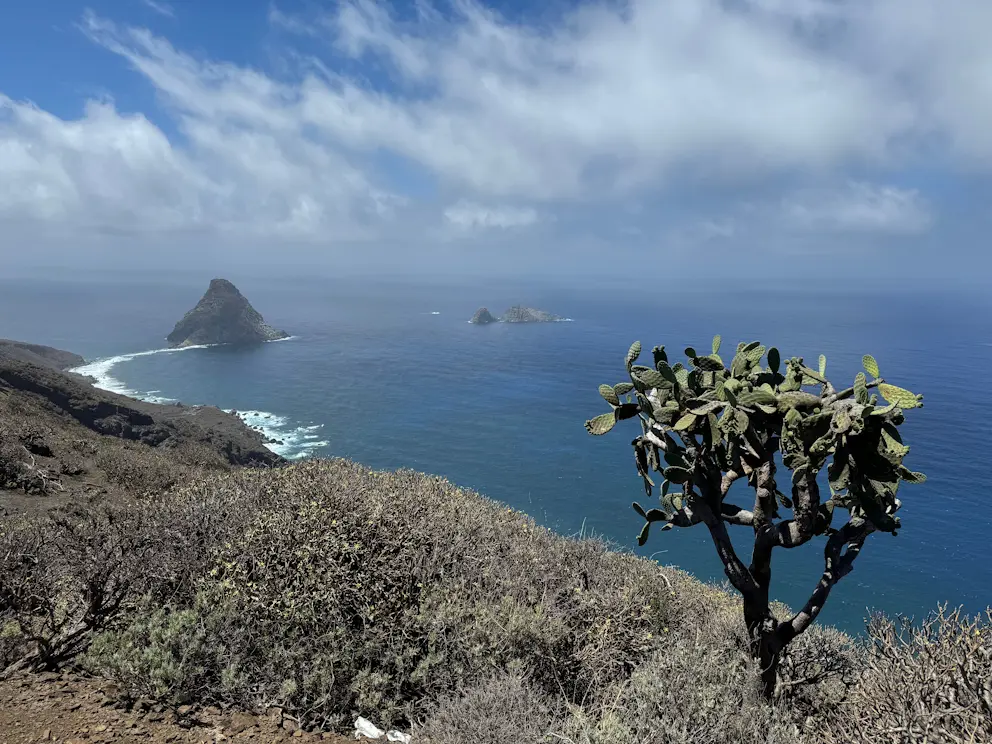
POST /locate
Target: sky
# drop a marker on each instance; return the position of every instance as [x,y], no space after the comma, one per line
[663,140]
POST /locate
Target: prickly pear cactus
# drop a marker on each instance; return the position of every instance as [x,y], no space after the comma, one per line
[709,415]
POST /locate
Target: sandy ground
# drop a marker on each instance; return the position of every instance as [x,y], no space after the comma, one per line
[71,709]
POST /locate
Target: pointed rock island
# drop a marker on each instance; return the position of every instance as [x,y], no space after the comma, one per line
[483,316]
[516,314]
[222,316]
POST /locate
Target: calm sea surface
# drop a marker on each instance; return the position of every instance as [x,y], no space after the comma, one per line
[392,375]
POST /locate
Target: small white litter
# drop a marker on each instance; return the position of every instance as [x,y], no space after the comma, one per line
[365,729]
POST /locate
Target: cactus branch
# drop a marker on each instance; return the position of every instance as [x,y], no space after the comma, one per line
[837,565]
[848,392]
[806,500]
[735,569]
[733,514]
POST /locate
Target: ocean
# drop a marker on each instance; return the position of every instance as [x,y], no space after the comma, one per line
[391,374]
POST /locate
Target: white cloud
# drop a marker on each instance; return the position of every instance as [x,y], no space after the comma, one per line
[103,169]
[160,7]
[860,207]
[662,91]
[469,215]
[598,108]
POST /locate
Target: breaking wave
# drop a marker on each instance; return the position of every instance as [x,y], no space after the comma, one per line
[284,438]
[100,372]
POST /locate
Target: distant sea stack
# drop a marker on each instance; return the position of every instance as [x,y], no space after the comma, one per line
[222,316]
[520,314]
[483,316]
[516,314]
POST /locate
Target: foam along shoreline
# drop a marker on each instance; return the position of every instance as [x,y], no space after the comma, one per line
[99,372]
[282,437]
[287,440]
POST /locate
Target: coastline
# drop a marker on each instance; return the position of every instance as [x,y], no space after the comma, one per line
[283,436]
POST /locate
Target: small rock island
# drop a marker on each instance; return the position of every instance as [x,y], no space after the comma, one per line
[516,314]
[483,316]
[222,316]
[520,314]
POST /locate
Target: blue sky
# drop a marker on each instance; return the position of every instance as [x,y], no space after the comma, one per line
[820,139]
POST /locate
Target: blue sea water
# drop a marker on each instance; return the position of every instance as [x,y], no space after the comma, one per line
[390,373]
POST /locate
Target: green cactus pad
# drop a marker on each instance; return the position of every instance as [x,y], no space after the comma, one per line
[633,353]
[900,396]
[601,424]
[870,365]
[774,359]
[609,395]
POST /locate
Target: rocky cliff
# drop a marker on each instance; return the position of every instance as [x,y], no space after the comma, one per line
[222,316]
[70,396]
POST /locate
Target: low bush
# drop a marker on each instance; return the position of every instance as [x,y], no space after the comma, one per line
[140,470]
[702,688]
[921,682]
[504,707]
[20,469]
[344,598]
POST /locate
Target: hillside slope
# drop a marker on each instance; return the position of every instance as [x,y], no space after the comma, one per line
[62,438]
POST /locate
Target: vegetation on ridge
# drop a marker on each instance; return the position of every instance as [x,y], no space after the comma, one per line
[334,591]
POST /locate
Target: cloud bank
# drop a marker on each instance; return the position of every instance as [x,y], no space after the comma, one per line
[794,115]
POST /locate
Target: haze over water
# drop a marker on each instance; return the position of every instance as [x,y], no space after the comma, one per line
[389,373]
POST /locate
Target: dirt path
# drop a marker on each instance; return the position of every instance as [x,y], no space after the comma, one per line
[74,710]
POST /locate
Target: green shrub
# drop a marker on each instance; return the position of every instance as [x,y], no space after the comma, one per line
[170,655]
[139,470]
[352,601]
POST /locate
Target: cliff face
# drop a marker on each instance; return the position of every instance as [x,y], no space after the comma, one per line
[520,314]
[483,316]
[222,316]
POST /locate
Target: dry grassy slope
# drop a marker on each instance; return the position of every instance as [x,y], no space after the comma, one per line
[44,356]
[62,439]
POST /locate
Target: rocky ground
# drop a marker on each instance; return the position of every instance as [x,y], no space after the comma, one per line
[78,710]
